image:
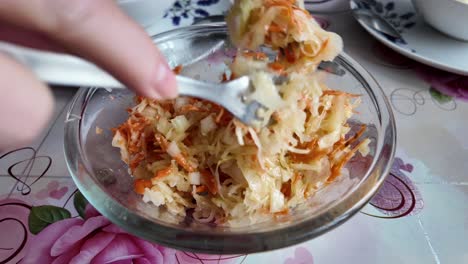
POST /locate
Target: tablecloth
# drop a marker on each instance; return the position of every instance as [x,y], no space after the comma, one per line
[420,215]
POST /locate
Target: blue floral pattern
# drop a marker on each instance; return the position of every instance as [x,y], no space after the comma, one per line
[185,9]
[391,12]
[387,11]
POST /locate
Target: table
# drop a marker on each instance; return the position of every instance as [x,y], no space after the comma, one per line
[419,216]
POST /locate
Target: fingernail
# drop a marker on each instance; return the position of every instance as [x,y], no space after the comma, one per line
[161,72]
[162,81]
[154,94]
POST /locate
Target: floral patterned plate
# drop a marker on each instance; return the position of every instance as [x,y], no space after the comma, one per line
[420,41]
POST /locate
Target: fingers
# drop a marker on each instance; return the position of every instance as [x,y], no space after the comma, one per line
[26,105]
[101,32]
[27,38]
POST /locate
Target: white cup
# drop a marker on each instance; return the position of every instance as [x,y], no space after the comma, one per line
[447,16]
[145,12]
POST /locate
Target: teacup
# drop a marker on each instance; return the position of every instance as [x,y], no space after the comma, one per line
[447,16]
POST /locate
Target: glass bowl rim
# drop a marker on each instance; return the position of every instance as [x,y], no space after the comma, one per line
[228,243]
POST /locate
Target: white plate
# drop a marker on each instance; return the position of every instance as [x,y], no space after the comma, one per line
[420,41]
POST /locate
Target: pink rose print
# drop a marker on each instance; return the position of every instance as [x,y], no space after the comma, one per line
[301,256]
[449,84]
[398,197]
[92,240]
[13,225]
[52,190]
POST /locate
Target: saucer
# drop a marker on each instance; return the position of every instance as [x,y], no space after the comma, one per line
[419,41]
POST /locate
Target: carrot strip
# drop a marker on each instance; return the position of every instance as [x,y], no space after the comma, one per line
[177,69]
[342,144]
[162,141]
[219,116]
[139,185]
[337,93]
[289,54]
[255,55]
[190,108]
[201,189]
[336,168]
[163,173]
[136,161]
[183,162]
[275,28]
[276,66]
[286,189]
[282,212]
[209,180]
[224,78]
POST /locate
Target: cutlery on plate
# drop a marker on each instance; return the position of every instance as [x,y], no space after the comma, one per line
[374,20]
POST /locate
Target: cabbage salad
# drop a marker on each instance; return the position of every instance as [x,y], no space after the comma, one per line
[191,155]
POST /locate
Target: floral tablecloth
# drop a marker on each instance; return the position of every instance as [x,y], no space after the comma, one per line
[419,216]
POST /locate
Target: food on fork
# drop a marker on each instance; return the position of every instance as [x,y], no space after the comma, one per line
[283,26]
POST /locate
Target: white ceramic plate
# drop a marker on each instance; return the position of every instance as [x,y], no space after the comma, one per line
[145,12]
[420,41]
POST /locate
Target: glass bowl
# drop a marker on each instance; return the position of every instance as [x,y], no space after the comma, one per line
[103,179]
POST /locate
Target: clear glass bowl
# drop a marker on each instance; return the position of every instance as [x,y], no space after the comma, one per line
[103,179]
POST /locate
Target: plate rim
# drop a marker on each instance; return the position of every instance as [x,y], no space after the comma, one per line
[405,52]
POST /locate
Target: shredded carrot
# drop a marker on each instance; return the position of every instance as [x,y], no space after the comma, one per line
[140,185]
[282,212]
[342,144]
[180,159]
[289,54]
[276,66]
[337,93]
[224,78]
[314,152]
[162,141]
[256,55]
[286,189]
[201,189]
[167,106]
[336,168]
[136,161]
[187,141]
[163,173]
[209,180]
[190,108]
[275,28]
[177,69]
[219,116]
[183,162]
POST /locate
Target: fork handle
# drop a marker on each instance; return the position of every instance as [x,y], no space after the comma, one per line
[60,69]
[195,88]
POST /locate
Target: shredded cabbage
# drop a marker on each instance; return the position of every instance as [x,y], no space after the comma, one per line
[189,153]
[283,25]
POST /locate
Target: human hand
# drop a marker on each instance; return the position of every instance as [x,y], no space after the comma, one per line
[96,30]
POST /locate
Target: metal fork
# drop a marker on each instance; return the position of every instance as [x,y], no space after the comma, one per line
[67,70]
